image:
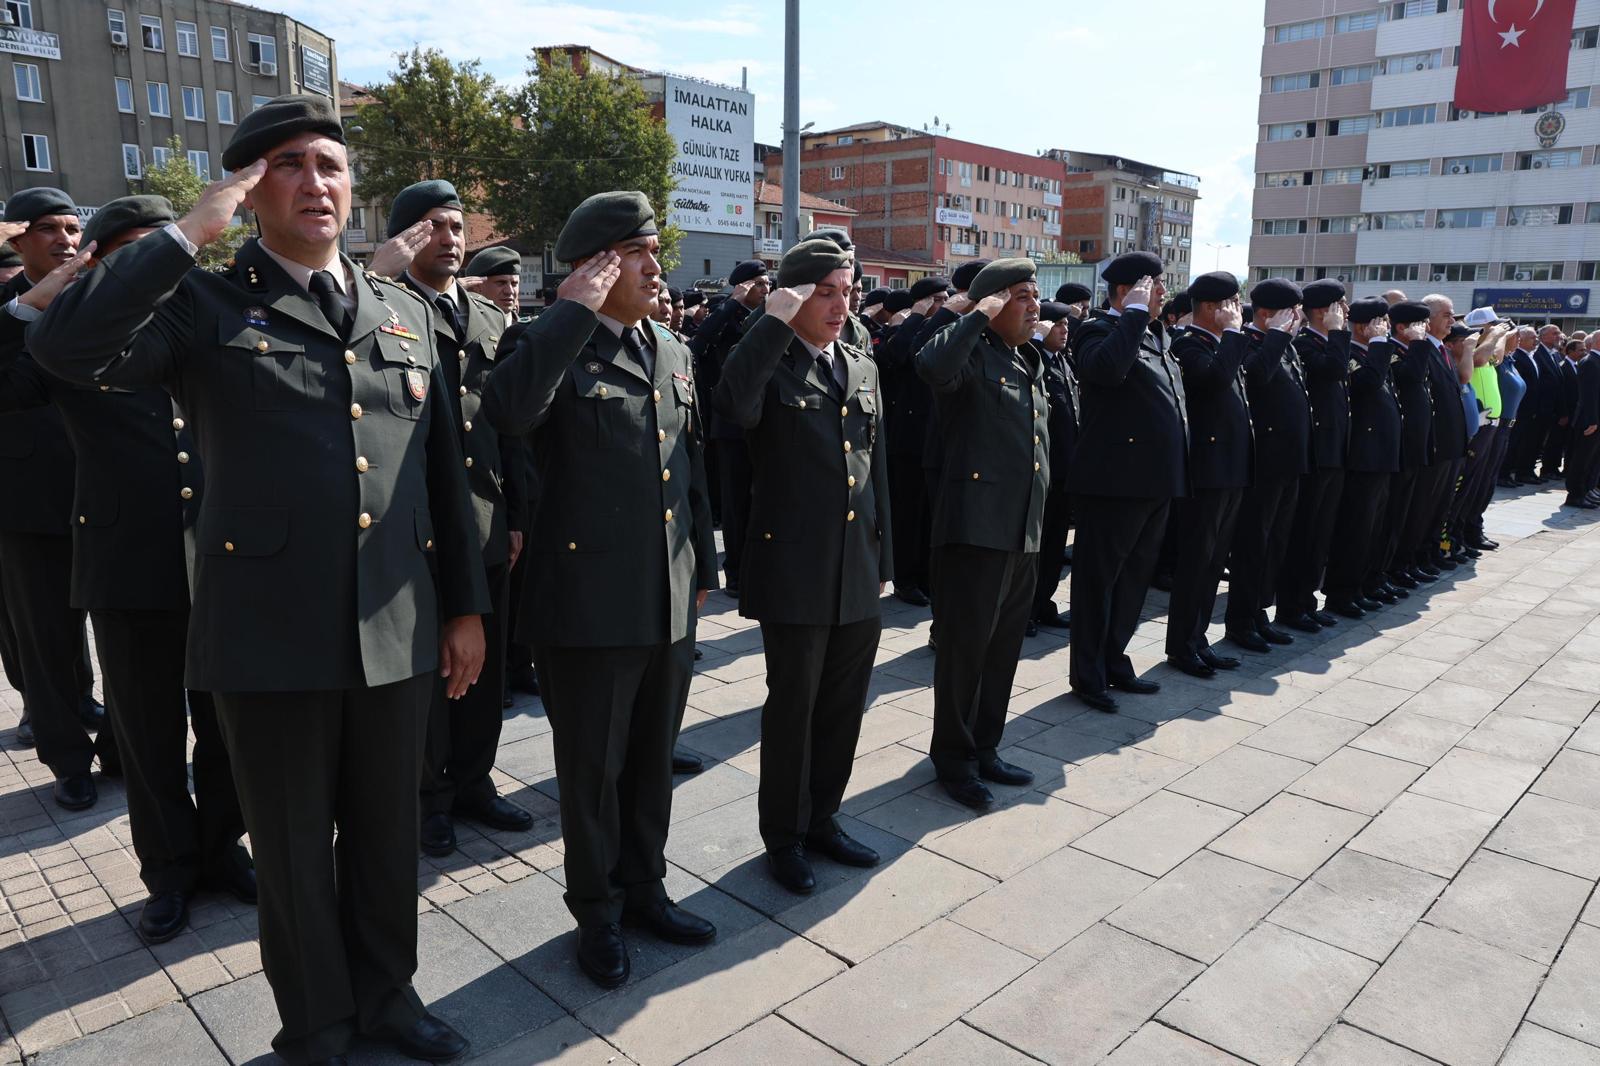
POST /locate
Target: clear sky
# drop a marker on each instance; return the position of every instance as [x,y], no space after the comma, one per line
[1168,82]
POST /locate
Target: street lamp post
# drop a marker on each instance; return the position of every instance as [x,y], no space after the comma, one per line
[791,122]
[1219,246]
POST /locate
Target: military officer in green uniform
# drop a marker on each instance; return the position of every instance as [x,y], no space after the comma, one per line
[819,550]
[499,270]
[992,412]
[337,560]
[621,557]
[463,736]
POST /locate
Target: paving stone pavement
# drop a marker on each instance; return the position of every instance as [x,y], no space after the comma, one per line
[1379,846]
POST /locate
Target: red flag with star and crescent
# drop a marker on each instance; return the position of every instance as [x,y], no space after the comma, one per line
[1513,53]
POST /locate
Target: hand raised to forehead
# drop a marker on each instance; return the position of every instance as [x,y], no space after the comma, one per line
[591,283]
[784,304]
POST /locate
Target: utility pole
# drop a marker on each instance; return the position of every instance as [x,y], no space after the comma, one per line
[791,123]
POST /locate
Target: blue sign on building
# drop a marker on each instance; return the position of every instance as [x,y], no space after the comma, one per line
[1516,302]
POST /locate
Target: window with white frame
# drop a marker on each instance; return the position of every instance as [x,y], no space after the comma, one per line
[1352,75]
[188,35]
[117,22]
[1540,215]
[1349,125]
[1342,176]
[1389,272]
[200,163]
[1465,218]
[1460,272]
[1592,216]
[158,98]
[1279,178]
[219,44]
[194,103]
[29,87]
[1342,224]
[836,174]
[1397,220]
[1289,131]
[1420,115]
[21,13]
[1410,168]
[263,51]
[1411,62]
[1361,20]
[132,161]
[1553,159]
[124,95]
[1471,164]
[151,33]
[1299,31]
[224,107]
[1532,271]
[1282,227]
[35,151]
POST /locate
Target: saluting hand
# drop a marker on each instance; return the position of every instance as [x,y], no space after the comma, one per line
[1141,292]
[959,304]
[591,283]
[783,304]
[395,254]
[215,209]
[1232,315]
[742,290]
[991,305]
[9,230]
[1282,320]
[470,282]
[40,296]
[461,654]
[1336,315]
[922,306]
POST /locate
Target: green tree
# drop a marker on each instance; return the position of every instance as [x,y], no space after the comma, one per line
[432,119]
[177,181]
[586,132]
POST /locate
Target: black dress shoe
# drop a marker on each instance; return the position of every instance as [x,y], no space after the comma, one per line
[1508,483]
[1424,575]
[841,847]
[1100,701]
[1273,635]
[1249,640]
[92,713]
[912,595]
[671,922]
[164,916]
[1032,629]
[1055,620]
[1302,623]
[25,732]
[1136,685]
[1346,608]
[496,812]
[438,835]
[1402,580]
[969,792]
[431,1039]
[76,793]
[791,869]
[1484,544]
[1469,552]
[1218,662]
[523,679]
[1003,773]
[731,590]
[1535,479]
[234,874]
[1324,619]
[685,763]
[1442,563]
[1381,594]
[1192,665]
[602,955]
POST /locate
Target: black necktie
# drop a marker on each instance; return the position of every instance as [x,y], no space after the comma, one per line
[329,301]
[451,312]
[830,371]
[634,342]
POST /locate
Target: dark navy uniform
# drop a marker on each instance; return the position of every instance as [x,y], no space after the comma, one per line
[1408,366]
[1354,564]
[1326,361]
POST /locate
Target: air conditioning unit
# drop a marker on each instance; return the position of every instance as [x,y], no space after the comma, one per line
[268,67]
[1422,65]
[1463,114]
[1341,277]
[1522,275]
[1286,182]
[1438,277]
[1511,220]
[1458,169]
[1538,164]
[1300,133]
[119,38]
[1440,224]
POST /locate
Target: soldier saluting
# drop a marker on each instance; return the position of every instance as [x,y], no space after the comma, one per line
[335,489]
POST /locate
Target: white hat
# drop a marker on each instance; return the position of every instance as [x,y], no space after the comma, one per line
[1479,317]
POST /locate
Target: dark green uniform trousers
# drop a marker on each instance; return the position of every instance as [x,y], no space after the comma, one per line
[981,601]
[464,735]
[178,840]
[614,716]
[817,681]
[338,917]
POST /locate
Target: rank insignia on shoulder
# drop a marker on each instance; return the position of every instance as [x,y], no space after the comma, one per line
[1395,358]
[417,383]
[593,368]
[395,329]
[256,316]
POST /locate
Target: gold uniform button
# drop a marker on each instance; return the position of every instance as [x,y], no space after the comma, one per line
[177,423]
[656,395]
[1213,440]
[183,457]
[469,462]
[766,536]
[1035,468]
[227,545]
[429,544]
[349,357]
[405,346]
[847,447]
[851,481]
[661,434]
[186,492]
[82,520]
[849,516]
[105,388]
[467,426]
[844,411]
[603,391]
[669,514]
[666,475]
[974,475]
[1130,440]
[262,346]
[572,546]
[361,463]
[1036,438]
[355,410]
[364,520]
[1002,381]
[462,391]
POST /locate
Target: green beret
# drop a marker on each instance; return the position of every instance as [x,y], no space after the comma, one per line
[999,276]
[831,233]
[601,221]
[810,261]
[415,201]
[38,202]
[129,212]
[9,256]
[493,261]
[277,121]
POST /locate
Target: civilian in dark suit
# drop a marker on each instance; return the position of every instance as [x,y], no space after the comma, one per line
[1583,462]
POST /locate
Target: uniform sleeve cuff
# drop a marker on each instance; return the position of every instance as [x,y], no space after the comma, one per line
[19,310]
[1136,307]
[171,229]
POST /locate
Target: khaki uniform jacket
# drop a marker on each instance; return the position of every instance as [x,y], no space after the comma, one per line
[336,528]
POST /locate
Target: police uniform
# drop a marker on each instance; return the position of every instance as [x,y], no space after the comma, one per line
[621,542]
[993,420]
[1061,385]
[1408,368]
[820,545]
[335,533]
[1132,462]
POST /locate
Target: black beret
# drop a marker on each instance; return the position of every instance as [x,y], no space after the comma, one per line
[810,261]
[675,295]
[494,261]
[601,221]
[830,233]
[1406,312]
[750,268]
[9,256]
[129,212]
[29,204]
[927,287]
[1274,294]
[999,275]
[1320,294]
[1053,311]
[1073,293]
[873,298]
[1215,287]
[1368,310]
[855,274]
[898,300]
[962,276]
[1129,267]
[1247,312]
[1179,305]
[693,298]
[276,121]
[415,201]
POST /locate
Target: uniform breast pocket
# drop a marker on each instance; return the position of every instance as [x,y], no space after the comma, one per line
[605,407]
[263,372]
[408,390]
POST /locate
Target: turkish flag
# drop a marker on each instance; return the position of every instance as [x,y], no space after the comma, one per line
[1513,53]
